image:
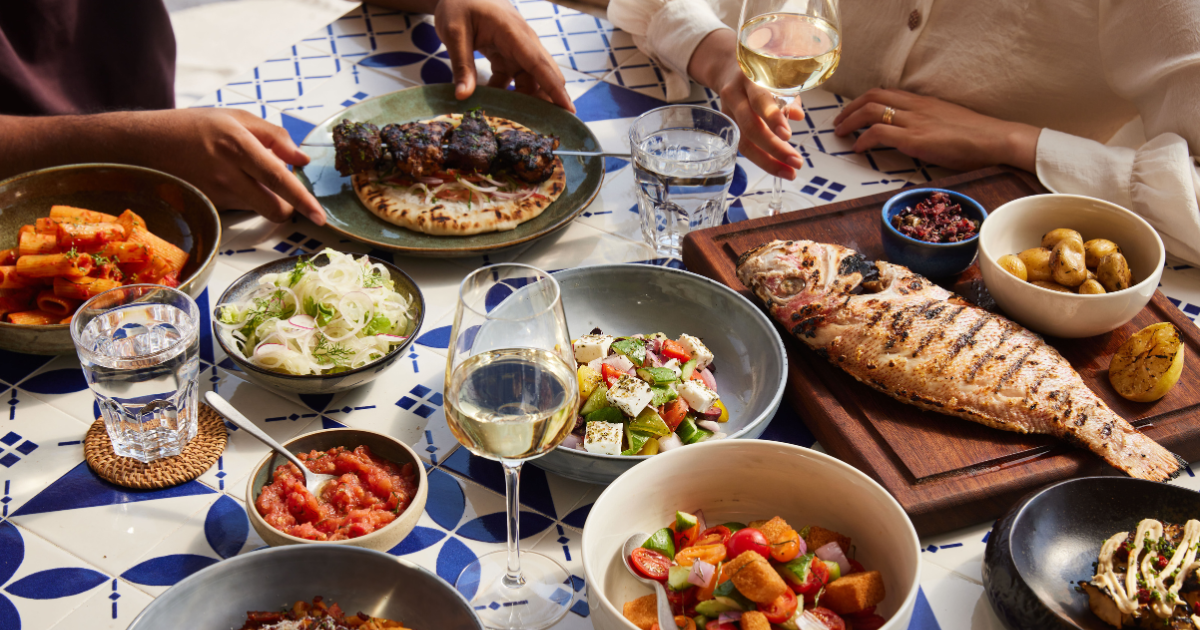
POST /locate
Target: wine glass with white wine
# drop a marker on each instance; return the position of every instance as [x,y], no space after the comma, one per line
[787,47]
[511,395]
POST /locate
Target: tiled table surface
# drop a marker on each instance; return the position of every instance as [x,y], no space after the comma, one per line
[76,552]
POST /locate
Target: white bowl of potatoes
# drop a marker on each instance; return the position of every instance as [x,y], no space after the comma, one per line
[1068,265]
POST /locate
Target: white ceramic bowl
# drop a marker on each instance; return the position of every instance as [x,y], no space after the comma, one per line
[1020,224]
[744,480]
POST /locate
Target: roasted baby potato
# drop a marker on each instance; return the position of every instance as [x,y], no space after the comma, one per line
[1037,263]
[1113,272]
[1052,285]
[1148,365]
[1091,287]
[1053,237]
[1098,248]
[1067,263]
[1013,265]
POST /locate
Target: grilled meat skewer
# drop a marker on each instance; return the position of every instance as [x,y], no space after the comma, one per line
[529,155]
[358,147]
[416,148]
[472,145]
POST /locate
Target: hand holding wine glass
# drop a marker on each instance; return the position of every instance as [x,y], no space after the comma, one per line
[511,395]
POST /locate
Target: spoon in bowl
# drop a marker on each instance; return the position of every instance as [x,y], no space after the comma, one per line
[666,620]
[312,480]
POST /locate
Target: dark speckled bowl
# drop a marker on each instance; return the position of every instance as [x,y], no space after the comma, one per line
[932,260]
[1048,542]
[317,383]
[173,209]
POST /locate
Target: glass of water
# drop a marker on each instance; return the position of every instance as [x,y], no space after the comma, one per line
[139,347]
[683,157]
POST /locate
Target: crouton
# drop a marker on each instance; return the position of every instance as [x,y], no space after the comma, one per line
[734,565]
[754,620]
[853,593]
[774,529]
[756,578]
[642,612]
[817,537]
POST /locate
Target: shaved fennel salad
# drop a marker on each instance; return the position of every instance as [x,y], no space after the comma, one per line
[318,319]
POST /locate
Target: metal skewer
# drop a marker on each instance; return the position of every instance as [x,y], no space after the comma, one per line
[559,152]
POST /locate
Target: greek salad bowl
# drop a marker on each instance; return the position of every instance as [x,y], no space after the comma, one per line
[736,357]
[758,480]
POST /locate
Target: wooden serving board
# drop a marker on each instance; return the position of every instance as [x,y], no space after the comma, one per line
[947,472]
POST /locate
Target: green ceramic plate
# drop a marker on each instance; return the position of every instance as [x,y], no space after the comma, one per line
[348,216]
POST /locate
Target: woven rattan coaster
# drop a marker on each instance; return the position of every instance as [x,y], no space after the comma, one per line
[199,455]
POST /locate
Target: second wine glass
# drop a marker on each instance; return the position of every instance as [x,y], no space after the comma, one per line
[511,395]
[787,47]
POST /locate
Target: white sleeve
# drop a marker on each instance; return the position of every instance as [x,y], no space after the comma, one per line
[668,31]
[1151,58]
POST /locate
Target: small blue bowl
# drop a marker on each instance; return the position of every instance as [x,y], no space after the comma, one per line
[932,260]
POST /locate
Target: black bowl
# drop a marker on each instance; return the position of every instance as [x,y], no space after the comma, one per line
[317,383]
[1046,544]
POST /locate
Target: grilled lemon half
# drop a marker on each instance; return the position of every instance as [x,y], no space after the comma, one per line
[1148,365]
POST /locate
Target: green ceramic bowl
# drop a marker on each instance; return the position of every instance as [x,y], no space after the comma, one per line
[173,209]
[347,215]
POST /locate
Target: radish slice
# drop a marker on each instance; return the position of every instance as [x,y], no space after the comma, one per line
[709,425]
[702,573]
[303,321]
[669,442]
[833,553]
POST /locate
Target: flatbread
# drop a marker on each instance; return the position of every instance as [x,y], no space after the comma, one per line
[395,204]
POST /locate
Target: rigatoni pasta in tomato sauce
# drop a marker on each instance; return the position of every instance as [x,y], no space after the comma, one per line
[75,254]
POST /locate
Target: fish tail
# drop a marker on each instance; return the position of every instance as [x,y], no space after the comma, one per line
[1139,456]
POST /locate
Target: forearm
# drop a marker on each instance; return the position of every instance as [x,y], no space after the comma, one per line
[716,55]
[1018,146]
[28,142]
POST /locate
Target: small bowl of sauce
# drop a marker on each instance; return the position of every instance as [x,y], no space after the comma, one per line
[932,231]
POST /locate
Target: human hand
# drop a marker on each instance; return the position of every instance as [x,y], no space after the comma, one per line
[764,126]
[237,159]
[938,132]
[501,34]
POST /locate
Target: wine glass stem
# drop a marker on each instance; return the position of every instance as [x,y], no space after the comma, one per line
[776,205]
[512,494]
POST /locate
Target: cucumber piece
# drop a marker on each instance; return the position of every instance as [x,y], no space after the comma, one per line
[796,572]
[685,521]
[656,375]
[793,622]
[597,400]
[677,578]
[634,349]
[685,370]
[658,335]
[661,395]
[736,599]
[835,570]
[734,526]
[607,414]
[648,421]
[662,541]
[702,621]
[637,440]
[713,608]
[689,433]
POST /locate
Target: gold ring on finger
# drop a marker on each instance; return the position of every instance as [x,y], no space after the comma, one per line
[888,114]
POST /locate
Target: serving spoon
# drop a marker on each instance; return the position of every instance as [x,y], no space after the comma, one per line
[312,480]
[666,620]
[560,152]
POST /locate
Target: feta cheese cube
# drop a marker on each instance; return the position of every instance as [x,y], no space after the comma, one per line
[588,348]
[698,395]
[697,349]
[630,395]
[603,437]
[673,365]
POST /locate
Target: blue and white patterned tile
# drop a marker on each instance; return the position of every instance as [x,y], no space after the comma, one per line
[615,208]
[15,366]
[405,402]
[95,520]
[223,275]
[38,444]
[362,31]
[832,180]
[418,57]
[960,551]
[543,491]
[228,98]
[1181,284]
[581,245]
[40,582]
[281,418]
[60,384]
[351,86]
[219,531]
[112,606]
[237,225]
[576,40]
[287,75]
[564,545]
[1189,479]
[439,286]
[956,602]
[576,516]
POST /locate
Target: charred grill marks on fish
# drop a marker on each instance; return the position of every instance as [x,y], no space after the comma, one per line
[902,335]
[530,156]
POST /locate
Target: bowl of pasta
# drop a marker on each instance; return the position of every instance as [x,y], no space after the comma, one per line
[69,233]
[318,324]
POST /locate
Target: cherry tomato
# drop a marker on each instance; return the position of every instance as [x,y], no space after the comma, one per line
[830,619]
[650,564]
[865,619]
[686,538]
[673,412]
[818,577]
[748,539]
[711,554]
[855,566]
[718,535]
[681,622]
[672,350]
[716,624]
[611,374]
[781,609]
[682,602]
[787,548]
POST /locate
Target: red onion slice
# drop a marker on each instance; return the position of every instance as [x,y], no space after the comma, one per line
[702,573]
[700,520]
[492,181]
[572,441]
[709,379]
[833,553]
[265,349]
[303,321]
[729,616]
[430,180]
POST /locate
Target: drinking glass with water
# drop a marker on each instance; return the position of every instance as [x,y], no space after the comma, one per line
[139,347]
[683,158]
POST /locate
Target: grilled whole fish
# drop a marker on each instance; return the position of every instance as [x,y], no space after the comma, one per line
[921,344]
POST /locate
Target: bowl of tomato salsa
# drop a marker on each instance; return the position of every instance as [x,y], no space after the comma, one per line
[374,502]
